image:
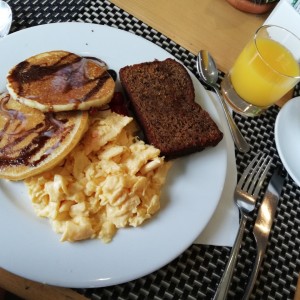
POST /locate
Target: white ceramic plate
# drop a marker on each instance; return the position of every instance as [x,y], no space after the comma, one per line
[287,137]
[31,249]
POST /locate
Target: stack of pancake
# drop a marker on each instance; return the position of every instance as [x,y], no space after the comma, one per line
[44,114]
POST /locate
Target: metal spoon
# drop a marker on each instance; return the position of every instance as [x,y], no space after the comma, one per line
[208,73]
[5,18]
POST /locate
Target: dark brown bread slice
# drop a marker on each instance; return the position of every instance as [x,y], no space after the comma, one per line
[162,97]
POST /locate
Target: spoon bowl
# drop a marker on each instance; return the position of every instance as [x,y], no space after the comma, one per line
[5,18]
[208,70]
[208,74]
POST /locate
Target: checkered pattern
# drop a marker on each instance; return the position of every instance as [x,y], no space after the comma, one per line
[195,274]
[28,13]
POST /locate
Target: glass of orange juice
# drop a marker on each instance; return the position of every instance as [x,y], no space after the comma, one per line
[266,69]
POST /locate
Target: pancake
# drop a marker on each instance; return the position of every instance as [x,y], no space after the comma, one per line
[32,141]
[60,81]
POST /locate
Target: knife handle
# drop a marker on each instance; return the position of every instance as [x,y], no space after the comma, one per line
[261,231]
[257,264]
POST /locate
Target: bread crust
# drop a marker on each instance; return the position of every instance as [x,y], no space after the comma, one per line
[163,100]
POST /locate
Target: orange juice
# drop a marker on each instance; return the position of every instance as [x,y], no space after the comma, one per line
[264,72]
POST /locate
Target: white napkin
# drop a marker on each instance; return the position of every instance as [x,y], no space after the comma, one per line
[223,226]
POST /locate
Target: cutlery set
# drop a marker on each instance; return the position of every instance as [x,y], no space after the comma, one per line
[245,196]
[247,189]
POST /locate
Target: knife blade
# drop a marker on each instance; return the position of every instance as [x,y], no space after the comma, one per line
[263,224]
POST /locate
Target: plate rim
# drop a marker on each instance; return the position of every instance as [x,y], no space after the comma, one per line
[93,282]
[278,123]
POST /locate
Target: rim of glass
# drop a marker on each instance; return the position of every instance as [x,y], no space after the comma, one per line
[262,57]
[8,14]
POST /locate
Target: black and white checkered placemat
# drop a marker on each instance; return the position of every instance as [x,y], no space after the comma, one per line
[196,272]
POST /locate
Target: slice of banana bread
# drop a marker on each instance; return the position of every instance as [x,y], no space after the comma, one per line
[162,97]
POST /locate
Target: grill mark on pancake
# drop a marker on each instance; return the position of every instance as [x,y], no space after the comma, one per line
[24,72]
[100,82]
[50,127]
[70,74]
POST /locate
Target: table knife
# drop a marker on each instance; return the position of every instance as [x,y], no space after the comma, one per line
[263,225]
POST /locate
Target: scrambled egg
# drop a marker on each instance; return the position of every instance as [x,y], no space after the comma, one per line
[109,181]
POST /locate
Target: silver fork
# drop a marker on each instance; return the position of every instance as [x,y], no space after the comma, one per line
[245,196]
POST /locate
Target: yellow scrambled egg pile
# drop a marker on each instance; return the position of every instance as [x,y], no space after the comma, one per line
[110,180]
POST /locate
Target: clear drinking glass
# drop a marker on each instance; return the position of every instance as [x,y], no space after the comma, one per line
[5,18]
[266,69]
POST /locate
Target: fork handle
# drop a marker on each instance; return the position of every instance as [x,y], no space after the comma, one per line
[224,284]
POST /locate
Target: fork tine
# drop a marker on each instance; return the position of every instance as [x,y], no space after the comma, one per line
[259,168]
[253,175]
[247,172]
[266,166]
